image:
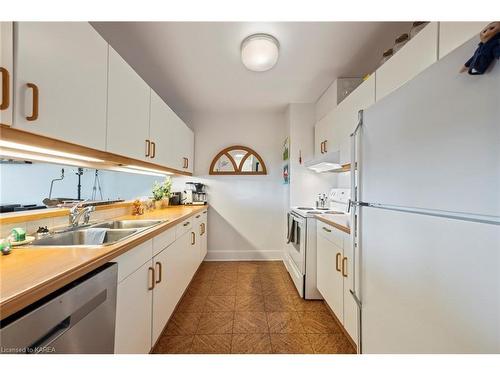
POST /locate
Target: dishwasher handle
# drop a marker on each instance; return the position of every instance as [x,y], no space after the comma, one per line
[50,337]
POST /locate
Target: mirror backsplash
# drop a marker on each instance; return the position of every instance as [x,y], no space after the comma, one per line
[30,183]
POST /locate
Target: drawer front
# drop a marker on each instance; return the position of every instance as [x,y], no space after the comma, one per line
[331,233]
[164,239]
[133,259]
[184,227]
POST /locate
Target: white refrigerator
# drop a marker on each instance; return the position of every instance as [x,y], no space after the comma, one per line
[427,213]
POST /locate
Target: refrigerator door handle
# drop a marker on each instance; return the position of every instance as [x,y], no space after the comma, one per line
[354,203]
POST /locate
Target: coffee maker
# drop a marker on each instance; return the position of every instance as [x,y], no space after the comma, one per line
[195,194]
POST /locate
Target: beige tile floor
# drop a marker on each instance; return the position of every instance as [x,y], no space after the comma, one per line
[249,308]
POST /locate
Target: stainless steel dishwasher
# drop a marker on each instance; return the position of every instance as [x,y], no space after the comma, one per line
[78,318]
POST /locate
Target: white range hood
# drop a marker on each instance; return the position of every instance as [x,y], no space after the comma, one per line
[329,162]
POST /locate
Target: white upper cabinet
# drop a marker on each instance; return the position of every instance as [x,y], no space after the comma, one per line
[181,146]
[419,53]
[454,34]
[346,116]
[61,70]
[128,111]
[6,70]
[324,139]
[172,139]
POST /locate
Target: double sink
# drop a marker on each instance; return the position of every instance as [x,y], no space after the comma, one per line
[100,234]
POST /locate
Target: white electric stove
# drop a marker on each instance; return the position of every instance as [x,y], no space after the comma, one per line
[300,254]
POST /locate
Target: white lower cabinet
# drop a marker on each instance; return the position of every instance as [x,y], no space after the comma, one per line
[335,275]
[203,235]
[168,286]
[152,278]
[133,312]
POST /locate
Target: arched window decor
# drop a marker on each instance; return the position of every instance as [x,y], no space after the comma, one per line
[238,160]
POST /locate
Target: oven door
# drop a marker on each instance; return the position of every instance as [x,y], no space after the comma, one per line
[297,248]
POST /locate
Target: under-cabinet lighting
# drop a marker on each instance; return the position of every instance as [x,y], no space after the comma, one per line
[325,167]
[138,171]
[47,151]
[148,169]
[19,155]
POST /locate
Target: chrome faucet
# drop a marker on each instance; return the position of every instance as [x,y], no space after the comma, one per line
[75,213]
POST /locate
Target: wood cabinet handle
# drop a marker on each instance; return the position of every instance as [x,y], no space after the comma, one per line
[5,89]
[148,148]
[321,147]
[151,272]
[193,238]
[34,107]
[153,150]
[203,224]
[337,258]
[324,146]
[344,266]
[185,224]
[327,230]
[158,280]
[201,229]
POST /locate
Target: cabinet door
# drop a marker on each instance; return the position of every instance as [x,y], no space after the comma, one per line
[203,236]
[185,147]
[329,279]
[323,136]
[168,288]
[6,72]
[67,61]
[346,116]
[419,53]
[350,307]
[179,145]
[128,110]
[454,34]
[162,131]
[318,137]
[133,313]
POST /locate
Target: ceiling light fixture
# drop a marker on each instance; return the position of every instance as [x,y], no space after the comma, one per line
[259,52]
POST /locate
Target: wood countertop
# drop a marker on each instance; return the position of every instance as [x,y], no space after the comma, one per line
[28,274]
[338,221]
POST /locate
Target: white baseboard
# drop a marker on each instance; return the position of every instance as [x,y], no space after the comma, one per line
[213,255]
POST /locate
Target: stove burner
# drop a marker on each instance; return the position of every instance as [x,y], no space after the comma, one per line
[305,208]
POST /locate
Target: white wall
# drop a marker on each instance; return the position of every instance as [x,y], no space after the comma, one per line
[246,212]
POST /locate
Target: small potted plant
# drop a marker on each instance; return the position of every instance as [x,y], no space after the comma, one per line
[162,193]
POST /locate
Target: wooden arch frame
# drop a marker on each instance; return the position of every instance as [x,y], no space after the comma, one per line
[237,168]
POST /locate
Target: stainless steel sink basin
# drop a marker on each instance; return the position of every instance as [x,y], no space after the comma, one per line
[115,231]
[128,224]
[84,237]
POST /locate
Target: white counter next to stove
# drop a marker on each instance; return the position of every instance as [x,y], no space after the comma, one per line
[339,221]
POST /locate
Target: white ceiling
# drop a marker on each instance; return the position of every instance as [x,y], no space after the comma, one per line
[196,66]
